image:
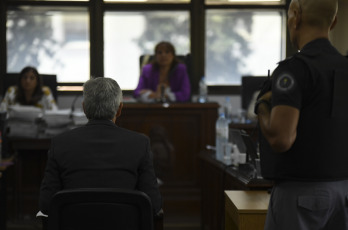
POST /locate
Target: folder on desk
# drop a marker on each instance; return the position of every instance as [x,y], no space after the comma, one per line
[57,118]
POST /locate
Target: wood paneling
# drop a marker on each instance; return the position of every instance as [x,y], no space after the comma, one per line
[246,210]
[216,177]
[178,132]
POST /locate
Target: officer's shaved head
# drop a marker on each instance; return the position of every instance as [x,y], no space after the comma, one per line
[318,13]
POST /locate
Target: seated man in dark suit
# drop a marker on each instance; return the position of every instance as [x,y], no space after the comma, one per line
[100,154]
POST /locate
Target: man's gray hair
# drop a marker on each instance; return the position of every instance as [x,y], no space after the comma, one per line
[102,98]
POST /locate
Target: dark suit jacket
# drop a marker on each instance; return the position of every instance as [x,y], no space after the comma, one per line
[99,154]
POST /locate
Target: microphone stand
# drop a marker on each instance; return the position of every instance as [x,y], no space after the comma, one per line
[73,106]
[163,98]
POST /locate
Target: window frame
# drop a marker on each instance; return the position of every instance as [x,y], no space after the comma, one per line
[196,8]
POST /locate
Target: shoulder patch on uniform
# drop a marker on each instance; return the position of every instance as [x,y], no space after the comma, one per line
[285,82]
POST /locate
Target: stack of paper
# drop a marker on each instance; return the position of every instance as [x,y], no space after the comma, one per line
[57,122]
[24,113]
[23,121]
[29,121]
[57,118]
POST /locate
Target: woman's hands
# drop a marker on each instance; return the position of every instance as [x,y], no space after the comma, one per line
[160,91]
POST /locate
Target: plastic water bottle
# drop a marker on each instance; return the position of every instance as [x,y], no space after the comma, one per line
[203,91]
[221,136]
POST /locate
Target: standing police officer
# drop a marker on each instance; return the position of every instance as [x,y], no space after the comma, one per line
[303,121]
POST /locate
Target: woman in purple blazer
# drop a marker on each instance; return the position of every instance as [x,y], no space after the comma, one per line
[165,79]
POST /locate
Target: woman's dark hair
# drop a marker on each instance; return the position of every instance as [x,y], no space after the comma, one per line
[171,49]
[37,94]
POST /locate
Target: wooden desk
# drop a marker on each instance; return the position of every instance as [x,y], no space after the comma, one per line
[178,132]
[216,177]
[245,210]
[30,162]
[4,165]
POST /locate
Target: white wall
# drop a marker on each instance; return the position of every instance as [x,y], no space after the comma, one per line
[65,102]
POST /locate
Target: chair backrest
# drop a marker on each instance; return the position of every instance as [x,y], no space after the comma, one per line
[250,84]
[147,58]
[100,208]
[49,80]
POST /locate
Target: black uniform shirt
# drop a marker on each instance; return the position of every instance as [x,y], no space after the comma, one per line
[305,81]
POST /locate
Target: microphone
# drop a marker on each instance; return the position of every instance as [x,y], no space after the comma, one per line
[163,98]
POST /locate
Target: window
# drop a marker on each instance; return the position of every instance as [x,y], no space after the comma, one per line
[237,37]
[149,1]
[242,42]
[127,35]
[261,2]
[55,40]
[52,0]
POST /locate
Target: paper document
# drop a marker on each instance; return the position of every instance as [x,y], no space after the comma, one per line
[24,113]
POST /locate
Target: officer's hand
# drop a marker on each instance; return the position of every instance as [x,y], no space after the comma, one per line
[266,99]
[267,86]
[267,96]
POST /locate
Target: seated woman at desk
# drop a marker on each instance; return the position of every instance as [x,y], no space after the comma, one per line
[165,78]
[29,91]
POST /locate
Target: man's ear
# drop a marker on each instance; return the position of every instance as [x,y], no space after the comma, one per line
[298,18]
[119,110]
[333,24]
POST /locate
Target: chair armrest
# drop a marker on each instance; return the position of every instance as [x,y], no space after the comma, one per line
[44,219]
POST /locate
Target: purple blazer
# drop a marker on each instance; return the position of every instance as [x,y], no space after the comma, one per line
[178,80]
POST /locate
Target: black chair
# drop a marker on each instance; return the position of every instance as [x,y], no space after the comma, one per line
[186,59]
[100,209]
[49,80]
